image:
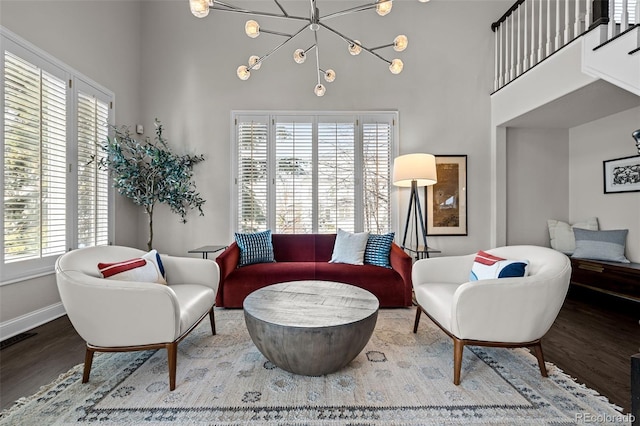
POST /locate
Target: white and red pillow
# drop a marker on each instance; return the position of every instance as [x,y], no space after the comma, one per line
[147,268]
[487,266]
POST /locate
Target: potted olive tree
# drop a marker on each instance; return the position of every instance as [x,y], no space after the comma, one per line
[149,173]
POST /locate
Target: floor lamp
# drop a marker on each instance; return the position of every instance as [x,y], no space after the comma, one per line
[415,170]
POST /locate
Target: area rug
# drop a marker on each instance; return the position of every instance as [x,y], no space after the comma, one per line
[400,378]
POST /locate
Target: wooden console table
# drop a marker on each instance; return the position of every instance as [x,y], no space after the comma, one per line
[618,279]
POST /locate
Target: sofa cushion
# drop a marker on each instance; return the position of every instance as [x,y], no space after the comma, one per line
[561,235]
[349,247]
[303,247]
[601,245]
[378,249]
[487,266]
[255,248]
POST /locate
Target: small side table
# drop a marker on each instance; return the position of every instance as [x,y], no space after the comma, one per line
[205,250]
[421,252]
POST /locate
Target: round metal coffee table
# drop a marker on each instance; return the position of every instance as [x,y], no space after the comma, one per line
[310,327]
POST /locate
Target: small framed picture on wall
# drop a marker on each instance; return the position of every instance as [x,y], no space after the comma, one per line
[447,199]
[622,175]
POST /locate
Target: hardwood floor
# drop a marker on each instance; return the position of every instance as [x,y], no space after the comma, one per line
[592,340]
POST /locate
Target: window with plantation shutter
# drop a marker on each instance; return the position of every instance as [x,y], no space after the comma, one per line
[293,175]
[252,174]
[376,172]
[93,183]
[53,197]
[313,172]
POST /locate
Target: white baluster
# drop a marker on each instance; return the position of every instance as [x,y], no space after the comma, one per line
[532,59]
[518,50]
[567,26]
[624,17]
[548,30]
[540,45]
[496,69]
[558,40]
[587,14]
[506,50]
[513,48]
[576,24]
[637,20]
[611,30]
[525,44]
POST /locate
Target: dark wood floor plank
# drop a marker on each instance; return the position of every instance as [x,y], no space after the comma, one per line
[592,340]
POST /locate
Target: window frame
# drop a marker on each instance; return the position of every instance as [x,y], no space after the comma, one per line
[22,270]
[390,116]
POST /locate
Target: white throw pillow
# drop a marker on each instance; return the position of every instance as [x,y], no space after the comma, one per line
[561,233]
[349,247]
[147,268]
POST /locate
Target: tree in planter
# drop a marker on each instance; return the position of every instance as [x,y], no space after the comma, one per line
[149,173]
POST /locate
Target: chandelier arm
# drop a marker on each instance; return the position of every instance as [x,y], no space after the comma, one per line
[230,8]
[383,46]
[262,30]
[353,42]
[315,34]
[281,8]
[354,9]
[275,49]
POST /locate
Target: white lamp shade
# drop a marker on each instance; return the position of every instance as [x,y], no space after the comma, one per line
[418,167]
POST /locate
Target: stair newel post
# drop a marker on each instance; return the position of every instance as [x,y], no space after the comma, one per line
[588,14]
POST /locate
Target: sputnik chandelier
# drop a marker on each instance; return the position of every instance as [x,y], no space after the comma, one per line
[314,22]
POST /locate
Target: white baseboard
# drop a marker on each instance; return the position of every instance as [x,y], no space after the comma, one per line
[31,320]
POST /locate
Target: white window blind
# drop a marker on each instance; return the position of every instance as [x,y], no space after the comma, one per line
[294,175]
[34,161]
[93,184]
[304,173]
[252,174]
[336,174]
[54,198]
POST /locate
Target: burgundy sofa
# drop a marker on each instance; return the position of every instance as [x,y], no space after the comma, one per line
[306,257]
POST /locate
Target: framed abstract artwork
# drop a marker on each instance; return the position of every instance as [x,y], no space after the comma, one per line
[447,199]
[622,174]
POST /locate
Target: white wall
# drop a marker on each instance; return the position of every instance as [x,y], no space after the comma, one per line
[442,95]
[589,145]
[100,39]
[537,183]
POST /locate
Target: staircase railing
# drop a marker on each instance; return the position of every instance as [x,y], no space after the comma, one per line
[532,30]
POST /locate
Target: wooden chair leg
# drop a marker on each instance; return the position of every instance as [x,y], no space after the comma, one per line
[537,350]
[213,321]
[458,347]
[172,356]
[415,324]
[88,360]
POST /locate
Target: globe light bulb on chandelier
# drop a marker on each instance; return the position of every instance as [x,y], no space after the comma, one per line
[316,23]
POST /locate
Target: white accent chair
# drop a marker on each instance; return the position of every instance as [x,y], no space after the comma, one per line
[122,316]
[504,312]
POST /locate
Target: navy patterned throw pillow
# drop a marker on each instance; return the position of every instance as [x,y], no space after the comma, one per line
[378,249]
[255,248]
